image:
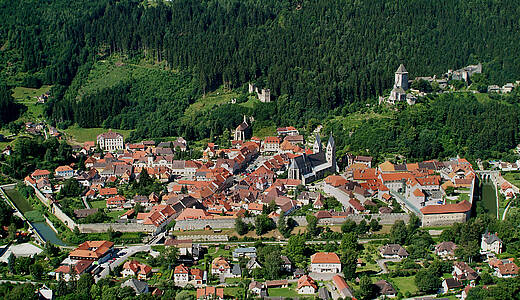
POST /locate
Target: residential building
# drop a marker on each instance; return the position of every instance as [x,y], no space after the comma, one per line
[137,269]
[385,289]
[139,287]
[491,243]
[249,252]
[450,284]
[99,251]
[306,285]
[64,172]
[504,268]
[393,251]
[220,266]
[445,249]
[342,287]
[181,275]
[210,292]
[325,262]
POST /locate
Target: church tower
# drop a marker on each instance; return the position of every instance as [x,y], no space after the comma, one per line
[331,152]
[401,78]
[316,148]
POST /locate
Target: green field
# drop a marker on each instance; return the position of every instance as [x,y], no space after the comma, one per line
[405,284]
[283,292]
[115,214]
[265,131]
[25,94]
[18,199]
[218,97]
[82,135]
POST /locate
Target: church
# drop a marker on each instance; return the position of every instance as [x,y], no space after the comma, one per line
[309,168]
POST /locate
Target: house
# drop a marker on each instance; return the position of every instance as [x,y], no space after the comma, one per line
[258,288]
[445,249]
[139,287]
[74,271]
[236,270]
[249,252]
[385,289]
[135,268]
[306,285]
[181,275]
[110,141]
[323,293]
[450,284]
[342,287]
[464,273]
[325,262]
[298,273]
[290,130]
[197,276]
[271,144]
[39,174]
[99,251]
[220,266]
[393,251]
[253,264]
[504,268]
[64,171]
[84,212]
[210,292]
[491,243]
[286,264]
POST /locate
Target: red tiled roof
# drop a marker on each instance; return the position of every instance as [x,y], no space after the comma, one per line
[460,207]
[325,258]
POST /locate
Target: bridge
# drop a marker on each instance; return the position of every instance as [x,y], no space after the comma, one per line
[486,174]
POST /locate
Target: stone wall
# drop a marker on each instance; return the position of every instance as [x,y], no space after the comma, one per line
[385,219]
[121,227]
[63,217]
[205,238]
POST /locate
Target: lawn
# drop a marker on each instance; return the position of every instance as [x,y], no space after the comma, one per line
[265,131]
[232,291]
[115,214]
[283,292]
[405,284]
[98,204]
[250,102]
[19,200]
[82,135]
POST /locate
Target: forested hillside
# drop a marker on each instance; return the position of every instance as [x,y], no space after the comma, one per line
[440,126]
[315,56]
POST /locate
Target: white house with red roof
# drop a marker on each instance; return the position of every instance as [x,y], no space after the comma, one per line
[137,269]
[181,275]
[64,171]
[306,285]
[271,144]
[325,262]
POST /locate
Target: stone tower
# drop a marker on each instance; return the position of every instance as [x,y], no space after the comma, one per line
[401,78]
[316,148]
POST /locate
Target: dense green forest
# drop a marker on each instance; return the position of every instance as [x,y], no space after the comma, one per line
[317,57]
[437,127]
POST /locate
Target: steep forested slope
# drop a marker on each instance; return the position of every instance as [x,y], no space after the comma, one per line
[314,55]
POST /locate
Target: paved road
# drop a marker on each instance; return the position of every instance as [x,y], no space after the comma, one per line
[382,264]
